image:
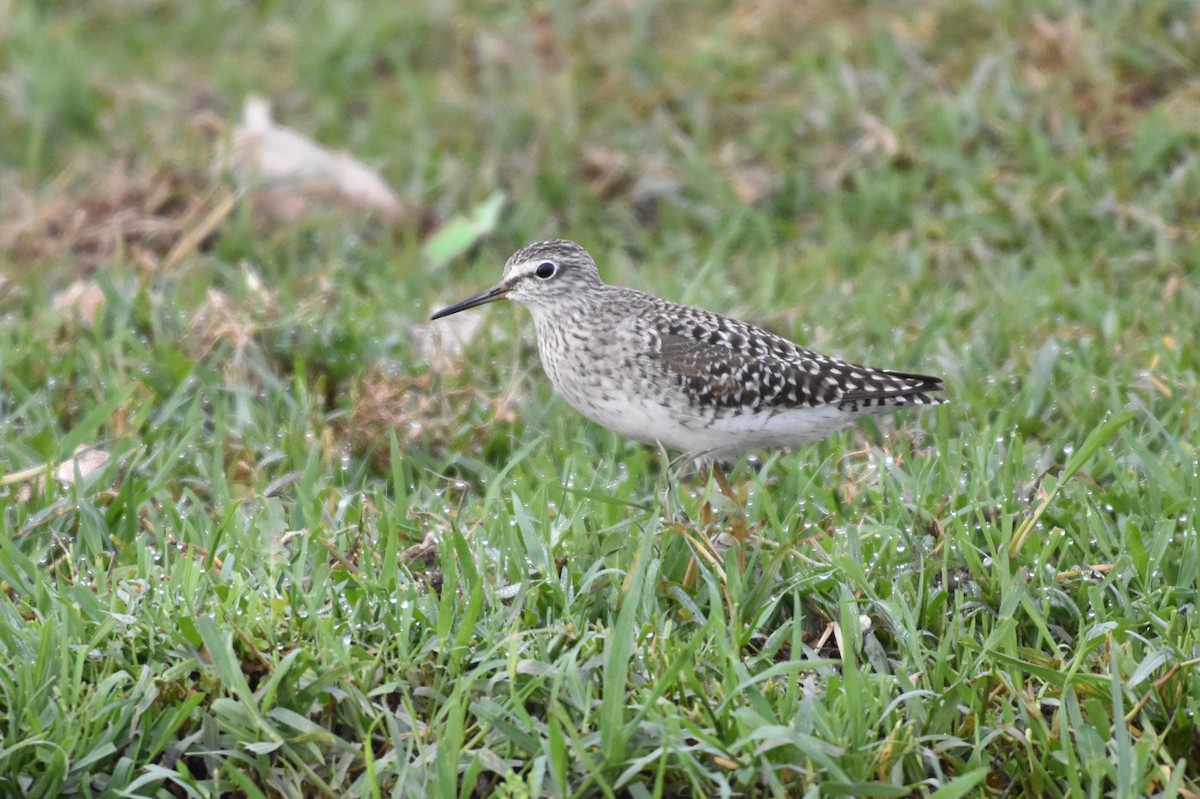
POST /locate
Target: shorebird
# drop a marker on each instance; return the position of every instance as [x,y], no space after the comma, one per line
[694,381]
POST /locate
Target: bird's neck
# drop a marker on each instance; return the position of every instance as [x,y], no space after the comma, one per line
[565,307]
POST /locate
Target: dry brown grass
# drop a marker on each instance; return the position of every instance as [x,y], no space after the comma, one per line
[109,212]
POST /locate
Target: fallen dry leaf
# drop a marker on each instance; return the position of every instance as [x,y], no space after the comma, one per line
[289,175]
[84,461]
[84,298]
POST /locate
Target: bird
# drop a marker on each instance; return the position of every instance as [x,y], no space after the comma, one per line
[705,385]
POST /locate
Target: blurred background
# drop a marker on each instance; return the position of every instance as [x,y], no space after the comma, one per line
[1028,160]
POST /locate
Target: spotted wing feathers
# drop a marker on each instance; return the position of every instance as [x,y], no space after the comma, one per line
[727,365]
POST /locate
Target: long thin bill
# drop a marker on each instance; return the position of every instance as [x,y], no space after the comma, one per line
[491,295]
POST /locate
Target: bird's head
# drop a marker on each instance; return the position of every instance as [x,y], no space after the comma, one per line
[540,275]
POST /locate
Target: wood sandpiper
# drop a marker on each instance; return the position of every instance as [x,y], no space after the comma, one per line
[691,380]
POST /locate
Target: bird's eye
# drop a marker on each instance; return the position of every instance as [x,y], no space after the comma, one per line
[546,270]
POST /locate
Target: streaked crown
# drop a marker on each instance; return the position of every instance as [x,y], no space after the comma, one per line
[548,273]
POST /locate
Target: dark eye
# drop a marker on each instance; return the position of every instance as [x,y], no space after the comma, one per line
[545,270]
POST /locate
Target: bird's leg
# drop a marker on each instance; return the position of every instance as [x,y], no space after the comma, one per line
[702,545]
[670,497]
[718,474]
[740,526]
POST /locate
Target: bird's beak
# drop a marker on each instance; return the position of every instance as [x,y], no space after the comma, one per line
[497,292]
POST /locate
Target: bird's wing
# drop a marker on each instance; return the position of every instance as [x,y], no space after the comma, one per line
[724,363]
[883,384]
[741,368]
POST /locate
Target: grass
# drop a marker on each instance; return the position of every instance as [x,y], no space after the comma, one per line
[318,561]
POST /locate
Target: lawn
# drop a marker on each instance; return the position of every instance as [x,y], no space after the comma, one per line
[267,532]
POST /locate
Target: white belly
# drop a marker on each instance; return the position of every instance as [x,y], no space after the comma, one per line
[717,437]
